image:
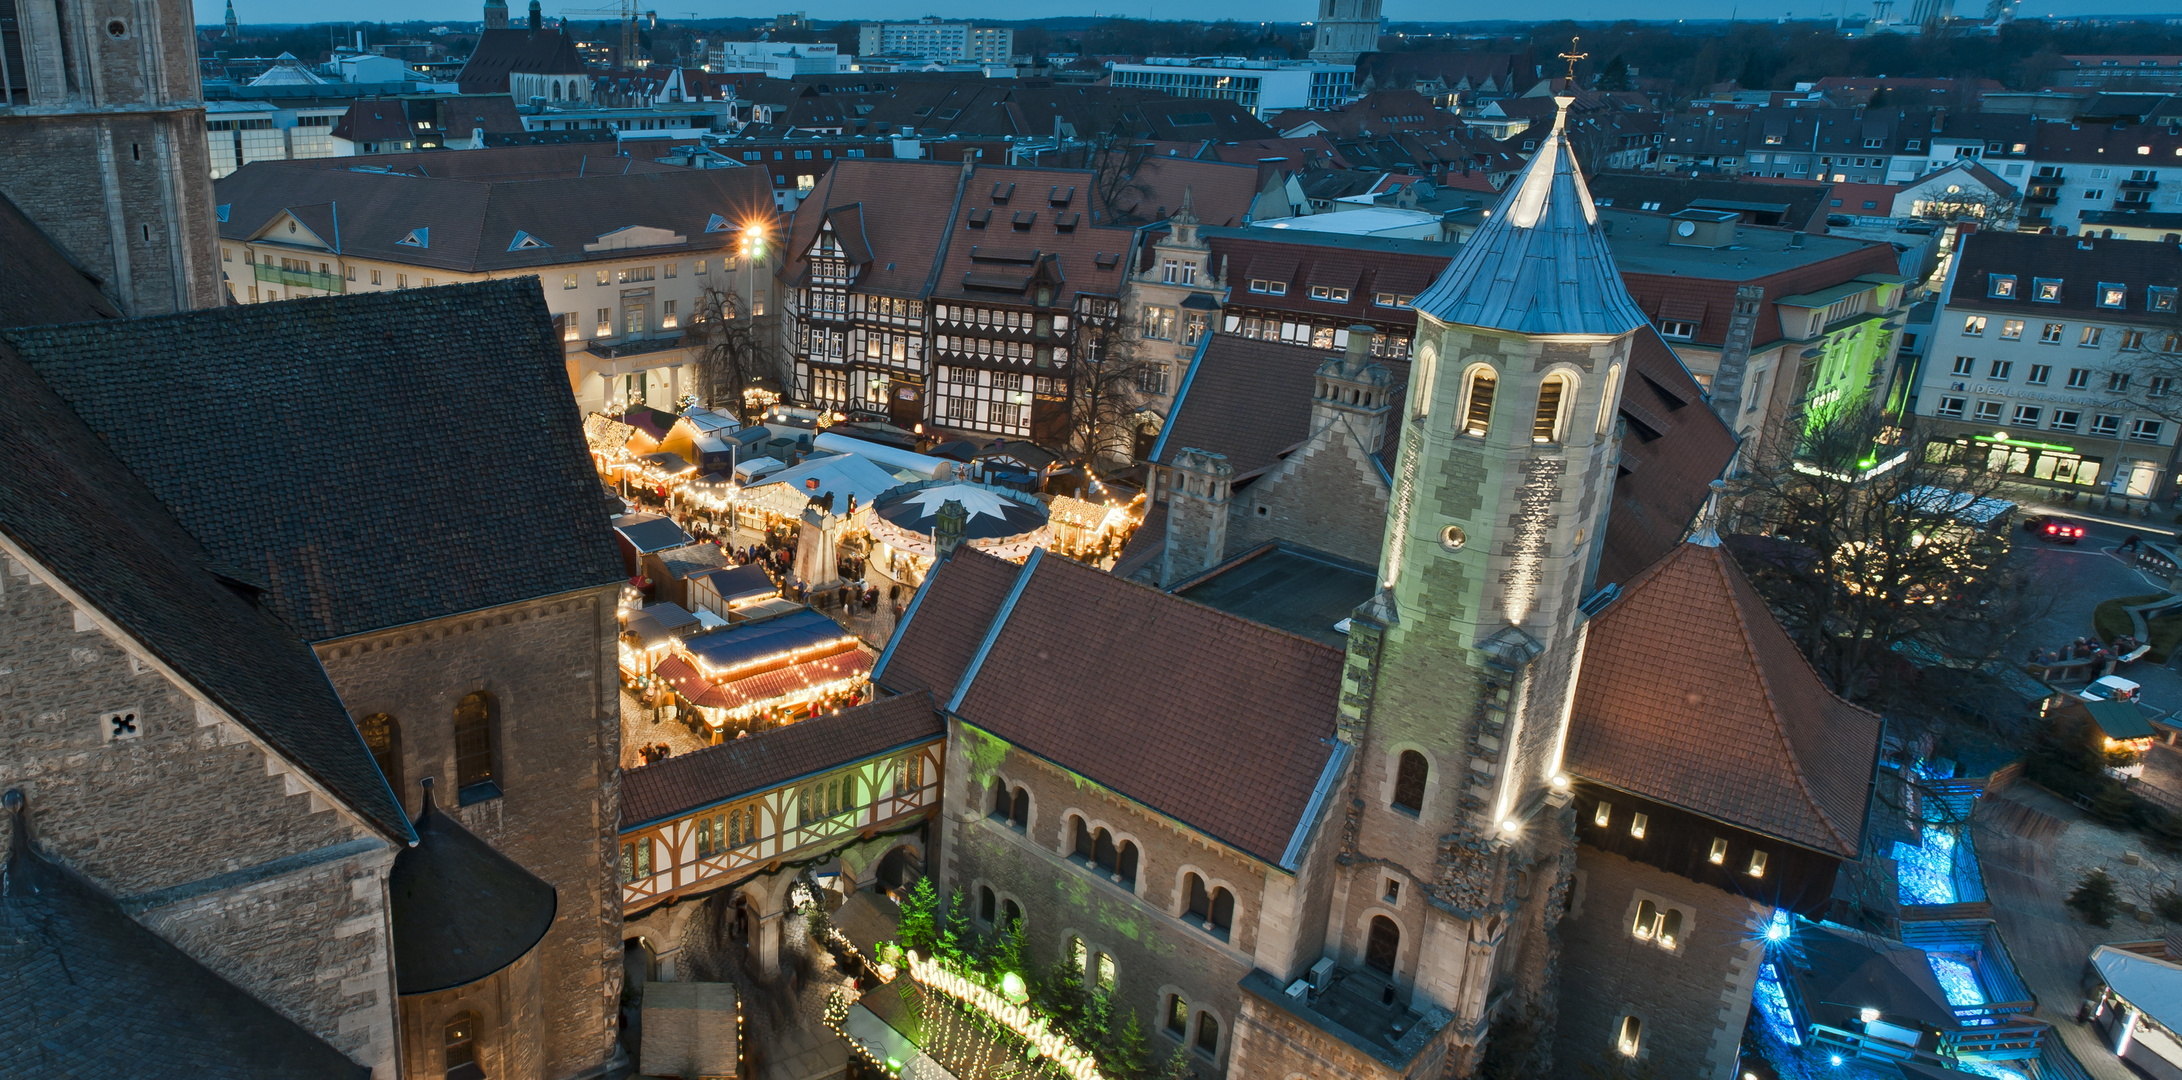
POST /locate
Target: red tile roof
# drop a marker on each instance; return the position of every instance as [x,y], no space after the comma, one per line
[764,686]
[741,767]
[1221,723]
[949,614]
[903,248]
[1693,695]
[1673,446]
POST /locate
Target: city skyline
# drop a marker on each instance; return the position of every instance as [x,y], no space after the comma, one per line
[210,13]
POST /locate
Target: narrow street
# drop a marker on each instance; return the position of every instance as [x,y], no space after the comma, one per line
[2078,578]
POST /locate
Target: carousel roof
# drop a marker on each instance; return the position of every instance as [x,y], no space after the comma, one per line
[993,513]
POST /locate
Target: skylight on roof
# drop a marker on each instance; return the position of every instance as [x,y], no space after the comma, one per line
[421,238]
[2112,295]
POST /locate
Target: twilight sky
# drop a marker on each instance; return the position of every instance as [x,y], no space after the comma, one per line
[211,12]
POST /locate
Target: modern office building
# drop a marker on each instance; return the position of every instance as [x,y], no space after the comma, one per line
[1264,87]
[932,39]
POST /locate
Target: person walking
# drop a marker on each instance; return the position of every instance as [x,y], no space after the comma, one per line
[2132,543]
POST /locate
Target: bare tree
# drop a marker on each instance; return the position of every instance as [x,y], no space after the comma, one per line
[732,353]
[1871,548]
[1109,376]
[1978,205]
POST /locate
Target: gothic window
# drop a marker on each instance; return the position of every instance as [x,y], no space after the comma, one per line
[1409,777]
[1107,975]
[1607,401]
[460,1042]
[1477,402]
[476,757]
[1545,425]
[1385,941]
[1019,809]
[1631,1038]
[383,736]
[1427,374]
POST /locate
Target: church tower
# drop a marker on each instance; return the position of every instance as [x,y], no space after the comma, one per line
[496,14]
[1346,29]
[232,36]
[103,145]
[1461,670]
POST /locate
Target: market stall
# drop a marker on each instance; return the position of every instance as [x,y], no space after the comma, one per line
[905,523]
[756,675]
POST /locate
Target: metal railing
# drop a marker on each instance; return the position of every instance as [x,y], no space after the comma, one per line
[309,279]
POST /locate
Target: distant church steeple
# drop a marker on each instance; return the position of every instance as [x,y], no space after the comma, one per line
[1346,29]
[496,14]
[537,18]
[231,20]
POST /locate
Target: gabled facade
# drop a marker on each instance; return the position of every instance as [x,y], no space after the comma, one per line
[966,321]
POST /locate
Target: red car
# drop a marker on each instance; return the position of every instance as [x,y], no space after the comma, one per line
[2053,530]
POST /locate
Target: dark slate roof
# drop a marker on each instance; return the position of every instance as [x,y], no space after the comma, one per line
[73,507]
[461,910]
[1251,400]
[2080,264]
[739,767]
[38,283]
[1223,724]
[652,532]
[375,459]
[87,991]
[475,222]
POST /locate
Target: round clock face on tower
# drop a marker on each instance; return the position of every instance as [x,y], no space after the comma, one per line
[1684,228]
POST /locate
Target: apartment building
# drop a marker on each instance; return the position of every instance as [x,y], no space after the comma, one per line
[627,249]
[240,132]
[2049,362]
[1264,87]
[776,59]
[932,39]
[960,296]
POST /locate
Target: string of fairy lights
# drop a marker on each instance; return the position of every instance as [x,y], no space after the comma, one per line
[970,1029]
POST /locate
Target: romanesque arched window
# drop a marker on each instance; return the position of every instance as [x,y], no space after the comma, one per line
[1545,424]
[1019,809]
[383,736]
[1410,773]
[1477,401]
[477,759]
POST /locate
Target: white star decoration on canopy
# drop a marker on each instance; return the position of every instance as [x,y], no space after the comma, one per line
[975,500]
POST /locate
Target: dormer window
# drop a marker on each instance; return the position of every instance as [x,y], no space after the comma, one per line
[1269,288]
[1718,855]
[979,217]
[2112,295]
[1757,864]
[1002,190]
[2046,290]
[2160,298]
[2001,286]
[1638,824]
[1603,815]
[420,238]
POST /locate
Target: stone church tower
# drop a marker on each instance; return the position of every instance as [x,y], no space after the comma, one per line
[1346,30]
[102,144]
[1461,669]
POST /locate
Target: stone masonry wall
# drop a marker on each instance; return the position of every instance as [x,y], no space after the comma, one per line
[550,667]
[1328,495]
[1692,1001]
[181,816]
[1157,954]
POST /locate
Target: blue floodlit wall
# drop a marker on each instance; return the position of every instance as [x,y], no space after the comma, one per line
[1941,870]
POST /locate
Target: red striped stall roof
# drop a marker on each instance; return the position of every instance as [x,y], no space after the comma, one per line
[778,682]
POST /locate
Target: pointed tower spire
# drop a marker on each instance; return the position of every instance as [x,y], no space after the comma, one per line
[1539,264]
[231,20]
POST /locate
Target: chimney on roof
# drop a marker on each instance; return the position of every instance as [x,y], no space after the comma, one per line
[537,16]
[1354,393]
[1199,485]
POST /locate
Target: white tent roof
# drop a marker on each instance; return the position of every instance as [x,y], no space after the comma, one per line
[842,474]
[2153,985]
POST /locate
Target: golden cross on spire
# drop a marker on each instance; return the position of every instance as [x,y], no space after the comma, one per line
[1572,56]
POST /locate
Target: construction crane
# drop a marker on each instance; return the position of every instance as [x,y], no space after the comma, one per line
[627,15]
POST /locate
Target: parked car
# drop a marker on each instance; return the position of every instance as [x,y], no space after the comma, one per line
[1839,220]
[1921,228]
[2053,530]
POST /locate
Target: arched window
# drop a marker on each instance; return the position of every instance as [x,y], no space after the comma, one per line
[988,905]
[383,735]
[1019,809]
[556,91]
[1223,912]
[1177,1016]
[1125,865]
[1477,402]
[1631,1038]
[1545,424]
[461,1048]
[1200,901]
[1428,364]
[1380,948]
[1011,914]
[1410,774]
[1647,921]
[1609,402]
[1000,799]
[1208,1033]
[1084,846]
[477,762]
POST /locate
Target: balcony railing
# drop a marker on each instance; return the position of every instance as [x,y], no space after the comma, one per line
[2042,198]
[2139,185]
[309,279]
